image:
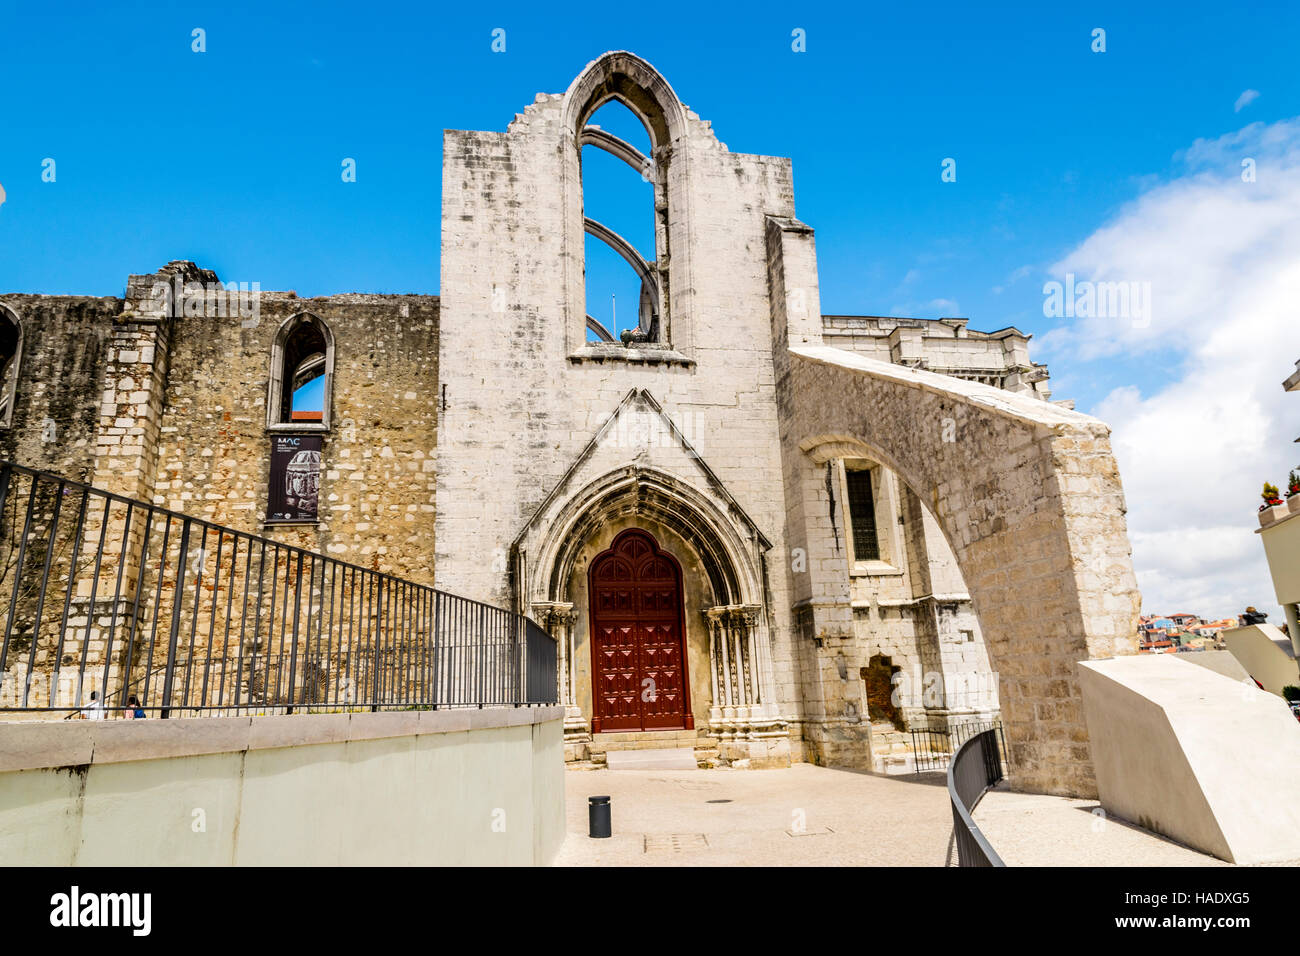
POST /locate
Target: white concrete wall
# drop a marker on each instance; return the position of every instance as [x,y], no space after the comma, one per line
[1282,547]
[480,787]
[1194,755]
[1262,651]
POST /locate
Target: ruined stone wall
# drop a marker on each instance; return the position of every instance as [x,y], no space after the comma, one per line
[61,381]
[377,484]
[1029,496]
[523,401]
[170,407]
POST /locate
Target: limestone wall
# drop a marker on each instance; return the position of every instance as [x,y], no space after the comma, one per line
[1029,497]
[61,380]
[377,483]
[525,398]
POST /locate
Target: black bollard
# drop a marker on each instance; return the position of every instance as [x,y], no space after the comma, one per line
[598,821]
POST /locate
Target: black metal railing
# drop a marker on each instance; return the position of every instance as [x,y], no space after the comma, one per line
[975,768]
[933,749]
[103,593]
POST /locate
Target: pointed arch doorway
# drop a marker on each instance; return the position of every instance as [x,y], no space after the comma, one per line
[638,638]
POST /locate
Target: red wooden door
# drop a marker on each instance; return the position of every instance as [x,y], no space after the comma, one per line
[638,652]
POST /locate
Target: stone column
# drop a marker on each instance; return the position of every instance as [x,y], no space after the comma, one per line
[560,620]
[739,672]
[711,617]
[557,620]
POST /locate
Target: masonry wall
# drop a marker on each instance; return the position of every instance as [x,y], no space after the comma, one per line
[377,486]
[65,346]
[522,404]
[1030,498]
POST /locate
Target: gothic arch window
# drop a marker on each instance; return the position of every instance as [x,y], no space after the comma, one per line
[302,375]
[618,203]
[11,356]
[628,128]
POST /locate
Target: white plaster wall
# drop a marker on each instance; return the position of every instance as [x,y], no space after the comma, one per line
[410,788]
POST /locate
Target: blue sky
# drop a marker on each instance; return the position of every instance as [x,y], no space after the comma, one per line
[232,157]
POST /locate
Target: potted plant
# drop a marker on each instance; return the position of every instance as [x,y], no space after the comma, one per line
[1270,495]
[1293,484]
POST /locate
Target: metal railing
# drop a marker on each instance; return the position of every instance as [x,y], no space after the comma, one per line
[103,593]
[975,768]
[933,749]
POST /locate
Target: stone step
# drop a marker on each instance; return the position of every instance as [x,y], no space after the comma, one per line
[676,758]
[650,740]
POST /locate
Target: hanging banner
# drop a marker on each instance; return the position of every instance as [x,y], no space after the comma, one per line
[295,478]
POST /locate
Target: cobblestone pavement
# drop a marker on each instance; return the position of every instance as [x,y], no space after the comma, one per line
[803,816]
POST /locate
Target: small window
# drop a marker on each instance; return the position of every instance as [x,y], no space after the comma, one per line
[11,353]
[302,366]
[862,515]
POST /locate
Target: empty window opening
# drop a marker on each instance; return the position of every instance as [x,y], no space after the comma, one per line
[618,190]
[301,373]
[308,402]
[11,349]
[862,515]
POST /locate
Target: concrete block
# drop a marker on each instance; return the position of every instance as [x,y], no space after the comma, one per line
[1195,756]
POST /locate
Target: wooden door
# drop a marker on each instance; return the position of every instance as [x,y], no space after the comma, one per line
[638,648]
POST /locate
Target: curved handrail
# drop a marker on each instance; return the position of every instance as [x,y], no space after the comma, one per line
[973,770]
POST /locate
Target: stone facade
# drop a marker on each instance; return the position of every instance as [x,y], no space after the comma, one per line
[171,409]
[480,440]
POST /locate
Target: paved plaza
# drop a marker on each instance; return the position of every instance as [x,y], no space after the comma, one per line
[816,816]
[799,816]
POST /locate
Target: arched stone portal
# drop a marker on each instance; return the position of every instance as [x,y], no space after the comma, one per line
[727,640]
[1026,492]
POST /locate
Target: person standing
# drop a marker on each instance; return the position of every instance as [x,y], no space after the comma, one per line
[95,711]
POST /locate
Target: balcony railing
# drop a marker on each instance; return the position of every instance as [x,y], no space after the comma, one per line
[105,594]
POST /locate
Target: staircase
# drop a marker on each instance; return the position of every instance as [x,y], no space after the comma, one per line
[892,750]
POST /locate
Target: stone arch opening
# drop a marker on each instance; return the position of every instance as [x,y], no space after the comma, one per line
[729,560]
[728,660]
[1028,497]
[623,78]
[622,286]
[302,374]
[904,600]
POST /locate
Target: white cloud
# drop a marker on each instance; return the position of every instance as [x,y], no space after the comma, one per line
[1244,100]
[1012,279]
[1209,422]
